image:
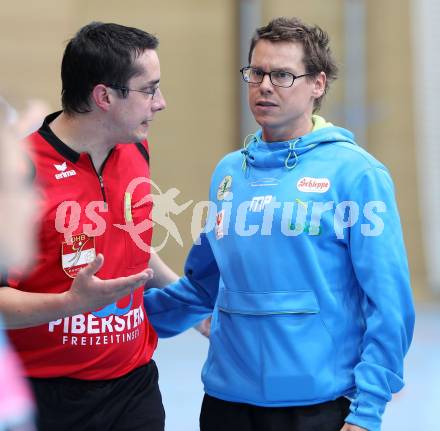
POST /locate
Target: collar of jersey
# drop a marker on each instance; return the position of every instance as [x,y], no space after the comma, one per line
[46,132]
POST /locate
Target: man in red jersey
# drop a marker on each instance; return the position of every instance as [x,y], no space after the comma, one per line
[76,319]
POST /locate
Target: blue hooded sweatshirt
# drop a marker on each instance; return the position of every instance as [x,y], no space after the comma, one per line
[303,267]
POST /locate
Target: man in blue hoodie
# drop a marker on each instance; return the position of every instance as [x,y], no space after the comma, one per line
[302,262]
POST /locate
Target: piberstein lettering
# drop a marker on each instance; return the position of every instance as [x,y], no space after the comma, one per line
[88,330]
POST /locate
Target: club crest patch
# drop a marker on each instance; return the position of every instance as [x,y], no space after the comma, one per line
[78,254]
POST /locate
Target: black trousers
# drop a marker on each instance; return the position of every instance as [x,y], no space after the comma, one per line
[219,415]
[129,403]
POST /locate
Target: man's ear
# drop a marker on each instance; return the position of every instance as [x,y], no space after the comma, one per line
[319,85]
[102,97]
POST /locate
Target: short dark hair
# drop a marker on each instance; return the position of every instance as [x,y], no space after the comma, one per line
[100,53]
[315,41]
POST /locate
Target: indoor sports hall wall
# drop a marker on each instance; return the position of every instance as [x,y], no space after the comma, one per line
[201,83]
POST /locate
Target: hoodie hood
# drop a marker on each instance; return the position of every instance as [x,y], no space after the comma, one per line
[263,154]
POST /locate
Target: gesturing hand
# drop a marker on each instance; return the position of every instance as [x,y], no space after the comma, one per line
[89,292]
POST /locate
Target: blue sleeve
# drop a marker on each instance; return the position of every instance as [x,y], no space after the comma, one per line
[180,305]
[380,264]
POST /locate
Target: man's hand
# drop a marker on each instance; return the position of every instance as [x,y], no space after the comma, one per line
[89,292]
[204,327]
[351,427]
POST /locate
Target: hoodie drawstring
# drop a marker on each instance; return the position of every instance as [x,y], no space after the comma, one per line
[247,141]
[246,154]
[292,148]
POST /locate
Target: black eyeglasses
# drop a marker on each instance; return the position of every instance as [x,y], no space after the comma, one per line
[125,90]
[279,78]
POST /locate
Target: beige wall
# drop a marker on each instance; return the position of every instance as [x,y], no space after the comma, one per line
[31,45]
[391,131]
[200,81]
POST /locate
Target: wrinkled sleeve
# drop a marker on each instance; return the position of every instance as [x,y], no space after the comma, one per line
[380,264]
[184,303]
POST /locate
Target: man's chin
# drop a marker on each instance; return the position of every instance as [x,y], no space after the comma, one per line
[265,120]
[140,135]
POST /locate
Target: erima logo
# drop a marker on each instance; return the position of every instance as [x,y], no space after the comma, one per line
[62,171]
[62,167]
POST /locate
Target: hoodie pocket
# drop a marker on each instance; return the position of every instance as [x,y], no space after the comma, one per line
[267,303]
[292,353]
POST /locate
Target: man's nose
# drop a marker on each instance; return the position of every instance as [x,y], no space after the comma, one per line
[159,103]
[266,84]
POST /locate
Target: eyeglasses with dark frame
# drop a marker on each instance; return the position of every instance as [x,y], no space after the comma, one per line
[279,78]
[125,90]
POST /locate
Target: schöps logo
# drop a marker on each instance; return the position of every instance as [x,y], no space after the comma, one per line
[313,185]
